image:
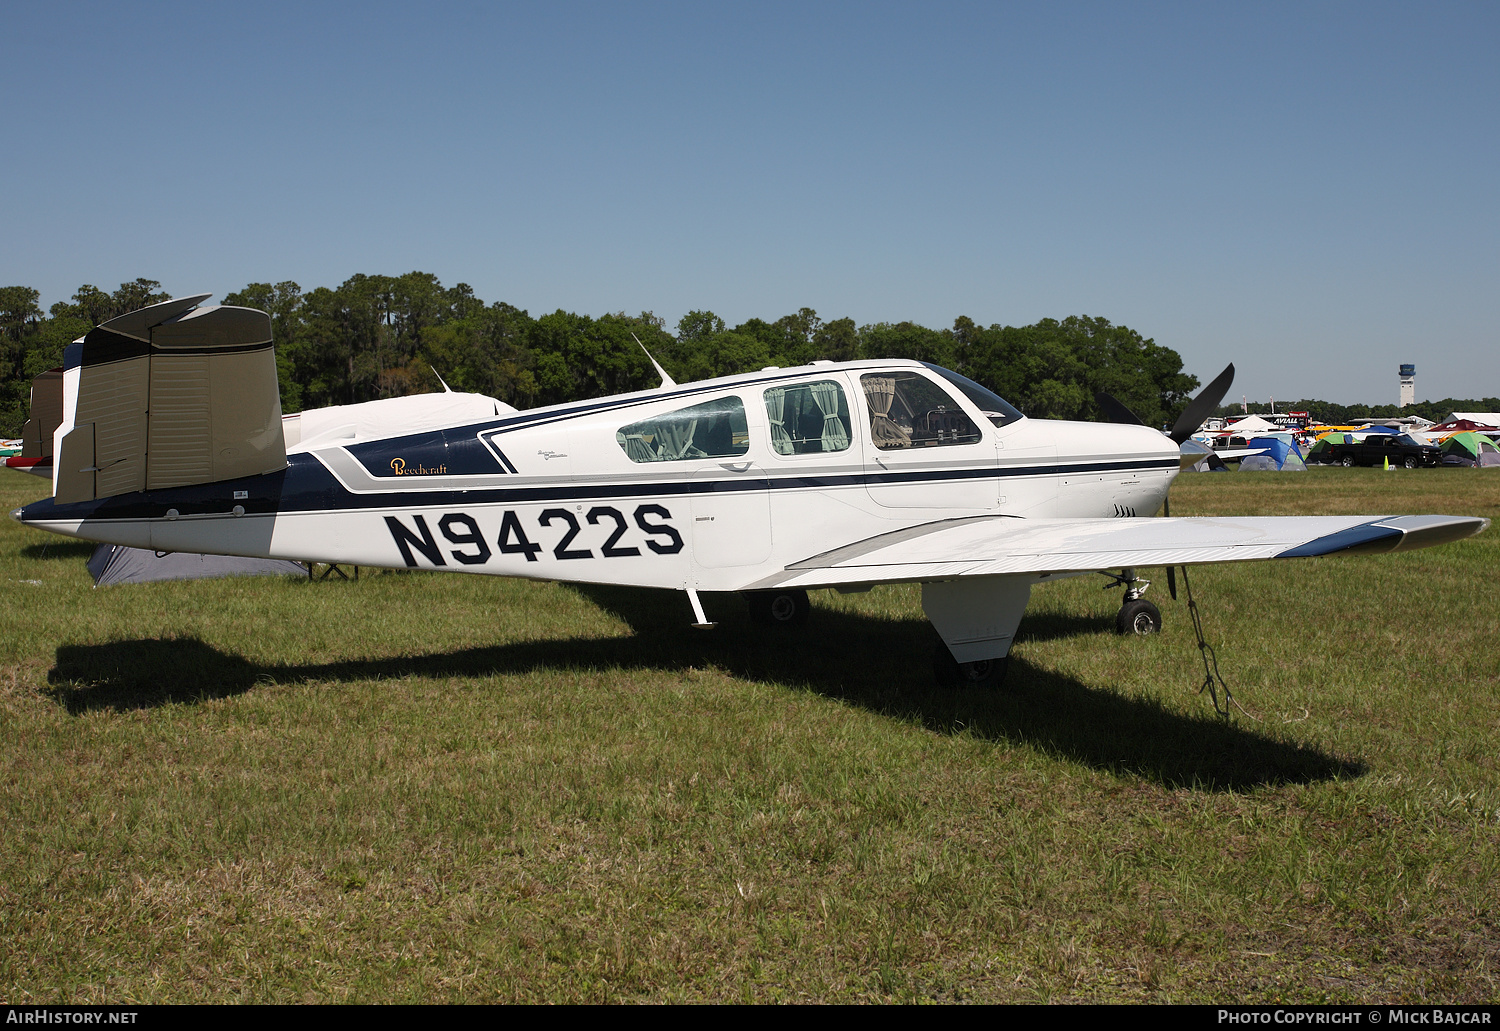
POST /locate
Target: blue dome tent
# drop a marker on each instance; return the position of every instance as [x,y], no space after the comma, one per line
[1276,455]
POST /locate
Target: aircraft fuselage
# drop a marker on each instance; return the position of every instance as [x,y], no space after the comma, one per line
[711,485]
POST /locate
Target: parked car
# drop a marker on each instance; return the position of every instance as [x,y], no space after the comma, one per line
[1400,448]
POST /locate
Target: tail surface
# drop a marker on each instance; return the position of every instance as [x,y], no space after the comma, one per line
[170,395]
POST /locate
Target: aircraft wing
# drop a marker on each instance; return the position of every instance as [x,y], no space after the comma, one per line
[1004,545]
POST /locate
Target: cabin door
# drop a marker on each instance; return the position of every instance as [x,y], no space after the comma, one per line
[922,449]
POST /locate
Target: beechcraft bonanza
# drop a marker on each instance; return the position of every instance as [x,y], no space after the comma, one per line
[831,475]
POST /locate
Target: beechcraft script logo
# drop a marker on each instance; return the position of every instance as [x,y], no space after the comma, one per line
[400,468]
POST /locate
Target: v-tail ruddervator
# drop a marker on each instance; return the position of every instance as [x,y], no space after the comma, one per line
[169,435]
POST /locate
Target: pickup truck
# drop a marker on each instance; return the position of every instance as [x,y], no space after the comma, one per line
[1400,448]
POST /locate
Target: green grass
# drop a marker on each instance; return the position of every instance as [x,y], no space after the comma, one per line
[423,787]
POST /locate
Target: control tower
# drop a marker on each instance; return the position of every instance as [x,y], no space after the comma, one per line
[1408,385]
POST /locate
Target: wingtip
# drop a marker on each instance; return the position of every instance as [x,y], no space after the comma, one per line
[1392,533]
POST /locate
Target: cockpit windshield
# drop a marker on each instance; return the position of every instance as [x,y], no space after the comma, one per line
[995,408]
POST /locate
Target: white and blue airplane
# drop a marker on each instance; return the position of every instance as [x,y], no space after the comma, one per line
[828,475]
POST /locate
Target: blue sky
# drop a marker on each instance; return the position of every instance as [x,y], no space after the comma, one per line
[1309,190]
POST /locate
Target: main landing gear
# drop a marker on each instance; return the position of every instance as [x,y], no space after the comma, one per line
[1136,615]
[949,672]
[778,608]
[788,607]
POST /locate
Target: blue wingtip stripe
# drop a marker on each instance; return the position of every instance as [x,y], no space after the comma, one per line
[1364,537]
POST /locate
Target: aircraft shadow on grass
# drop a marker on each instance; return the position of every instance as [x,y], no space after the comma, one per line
[880,665]
[59,549]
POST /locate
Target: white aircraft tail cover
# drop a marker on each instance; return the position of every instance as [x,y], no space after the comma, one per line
[167,396]
[46,414]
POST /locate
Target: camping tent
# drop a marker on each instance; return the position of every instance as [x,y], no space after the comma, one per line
[1276,456]
[1470,449]
[1318,453]
[113,564]
[1206,461]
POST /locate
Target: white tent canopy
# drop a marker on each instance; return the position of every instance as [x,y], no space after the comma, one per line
[1252,426]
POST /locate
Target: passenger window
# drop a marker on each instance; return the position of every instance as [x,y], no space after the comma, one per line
[714,429]
[810,418]
[908,410]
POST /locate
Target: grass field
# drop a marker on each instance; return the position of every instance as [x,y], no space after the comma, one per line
[423,787]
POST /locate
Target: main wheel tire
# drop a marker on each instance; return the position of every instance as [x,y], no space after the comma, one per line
[778,608]
[1138,617]
[1347,462]
[1411,463]
[949,672]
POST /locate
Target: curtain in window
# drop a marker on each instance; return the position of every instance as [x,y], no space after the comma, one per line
[781,440]
[835,434]
[677,437]
[636,448]
[880,392]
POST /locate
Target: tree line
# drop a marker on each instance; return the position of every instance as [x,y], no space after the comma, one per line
[383,336]
[1330,414]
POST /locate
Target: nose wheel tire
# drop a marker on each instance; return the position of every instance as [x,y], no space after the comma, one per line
[949,672]
[778,608]
[1138,617]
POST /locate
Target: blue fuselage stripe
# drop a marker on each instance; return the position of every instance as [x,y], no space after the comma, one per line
[307,486]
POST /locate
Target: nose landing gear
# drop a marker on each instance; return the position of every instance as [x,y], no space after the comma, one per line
[1136,615]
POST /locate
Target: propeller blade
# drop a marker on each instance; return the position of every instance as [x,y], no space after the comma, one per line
[1172,582]
[1200,407]
[1115,411]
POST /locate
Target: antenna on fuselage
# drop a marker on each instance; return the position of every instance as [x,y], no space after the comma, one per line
[666,381]
[446,388]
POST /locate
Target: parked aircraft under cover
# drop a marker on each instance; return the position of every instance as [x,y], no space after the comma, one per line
[839,475]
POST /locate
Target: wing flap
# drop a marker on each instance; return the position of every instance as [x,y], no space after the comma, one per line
[998,545]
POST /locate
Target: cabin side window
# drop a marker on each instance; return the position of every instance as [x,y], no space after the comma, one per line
[809,418]
[713,429]
[908,410]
